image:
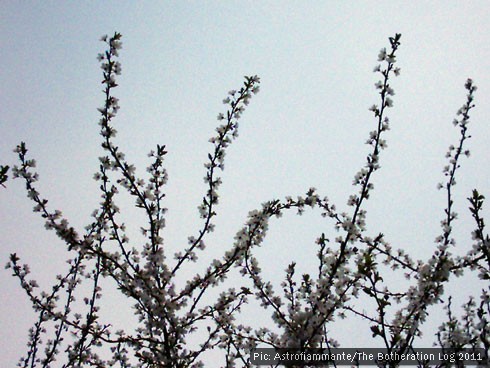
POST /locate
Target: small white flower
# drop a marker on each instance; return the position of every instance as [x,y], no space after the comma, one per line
[382,54]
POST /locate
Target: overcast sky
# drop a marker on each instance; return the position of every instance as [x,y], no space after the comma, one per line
[305,128]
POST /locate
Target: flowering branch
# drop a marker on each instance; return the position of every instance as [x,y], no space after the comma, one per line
[352,269]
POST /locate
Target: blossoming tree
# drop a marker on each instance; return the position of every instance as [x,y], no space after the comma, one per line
[350,266]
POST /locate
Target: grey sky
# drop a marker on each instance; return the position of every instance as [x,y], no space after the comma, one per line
[305,128]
